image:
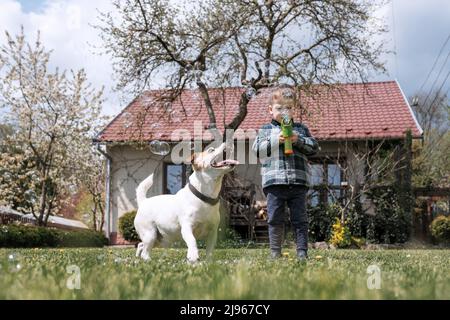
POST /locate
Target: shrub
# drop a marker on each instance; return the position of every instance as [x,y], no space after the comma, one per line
[392,222]
[440,229]
[321,219]
[230,238]
[19,236]
[358,242]
[81,238]
[340,235]
[126,226]
[356,220]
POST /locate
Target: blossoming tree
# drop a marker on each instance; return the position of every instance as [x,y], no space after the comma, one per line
[54,116]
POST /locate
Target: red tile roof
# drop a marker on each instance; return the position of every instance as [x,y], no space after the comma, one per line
[373,110]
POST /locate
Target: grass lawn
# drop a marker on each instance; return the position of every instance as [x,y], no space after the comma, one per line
[232,274]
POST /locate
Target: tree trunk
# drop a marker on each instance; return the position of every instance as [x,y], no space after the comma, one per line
[94,215]
[42,201]
[102,219]
[49,210]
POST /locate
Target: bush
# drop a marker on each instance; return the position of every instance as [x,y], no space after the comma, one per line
[19,236]
[340,235]
[392,222]
[356,220]
[81,238]
[440,229]
[126,226]
[358,242]
[229,239]
[321,219]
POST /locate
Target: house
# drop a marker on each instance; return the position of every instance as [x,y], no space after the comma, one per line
[342,117]
[8,215]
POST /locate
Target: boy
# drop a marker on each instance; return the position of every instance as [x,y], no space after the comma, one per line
[284,176]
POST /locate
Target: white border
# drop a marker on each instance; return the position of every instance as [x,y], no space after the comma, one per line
[410,109]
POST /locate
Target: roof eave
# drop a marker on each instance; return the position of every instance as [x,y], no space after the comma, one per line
[419,128]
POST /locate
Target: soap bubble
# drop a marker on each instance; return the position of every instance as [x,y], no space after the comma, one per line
[155,125]
[175,116]
[168,106]
[198,74]
[189,112]
[14,263]
[159,147]
[265,62]
[196,96]
[250,92]
[7,177]
[148,100]
[128,120]
[288,94]
[285,116]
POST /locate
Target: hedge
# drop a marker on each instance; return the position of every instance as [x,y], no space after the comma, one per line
[126,227]
[440,229]
[18,236]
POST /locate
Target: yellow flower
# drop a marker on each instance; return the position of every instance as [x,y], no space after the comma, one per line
[318,257]
[285,254]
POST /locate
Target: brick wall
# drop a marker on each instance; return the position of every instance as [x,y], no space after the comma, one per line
[117,239]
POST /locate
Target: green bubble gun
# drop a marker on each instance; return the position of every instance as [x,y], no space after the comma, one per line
[286,129]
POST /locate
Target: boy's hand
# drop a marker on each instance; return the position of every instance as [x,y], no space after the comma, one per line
[294,138]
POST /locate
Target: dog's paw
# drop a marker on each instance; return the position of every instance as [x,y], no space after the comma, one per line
[192,256]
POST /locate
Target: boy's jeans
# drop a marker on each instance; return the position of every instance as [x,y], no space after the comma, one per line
[295,196]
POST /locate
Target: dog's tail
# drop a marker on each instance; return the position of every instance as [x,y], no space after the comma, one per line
[141,190]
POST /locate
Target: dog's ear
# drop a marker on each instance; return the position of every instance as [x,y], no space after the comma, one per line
[193,161]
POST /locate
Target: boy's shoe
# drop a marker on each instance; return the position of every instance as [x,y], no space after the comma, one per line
[302,255]
[275,254]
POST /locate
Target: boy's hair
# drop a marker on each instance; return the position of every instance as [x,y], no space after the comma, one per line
[283,94]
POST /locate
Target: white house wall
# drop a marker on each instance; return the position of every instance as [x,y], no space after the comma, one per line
[130,166]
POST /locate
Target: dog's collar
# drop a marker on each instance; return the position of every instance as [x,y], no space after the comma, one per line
[201,196]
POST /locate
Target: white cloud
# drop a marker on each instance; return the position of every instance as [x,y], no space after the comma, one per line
[66,29]
[420,29]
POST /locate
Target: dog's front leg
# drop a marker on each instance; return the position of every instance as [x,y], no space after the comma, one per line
[211,242]
[139,249]
[188,237]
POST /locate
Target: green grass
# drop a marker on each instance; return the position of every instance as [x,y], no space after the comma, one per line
[233,274]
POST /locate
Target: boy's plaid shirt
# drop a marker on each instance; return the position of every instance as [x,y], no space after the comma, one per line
[278,168]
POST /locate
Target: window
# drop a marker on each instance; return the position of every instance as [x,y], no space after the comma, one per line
[175,178]
[334,195]
[325,179]
[313,197]
[316,174]
[334,175]
[334,183]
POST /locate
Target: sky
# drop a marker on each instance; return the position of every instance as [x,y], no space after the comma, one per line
[418,31]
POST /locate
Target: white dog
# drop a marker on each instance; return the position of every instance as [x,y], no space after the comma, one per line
[192,213]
